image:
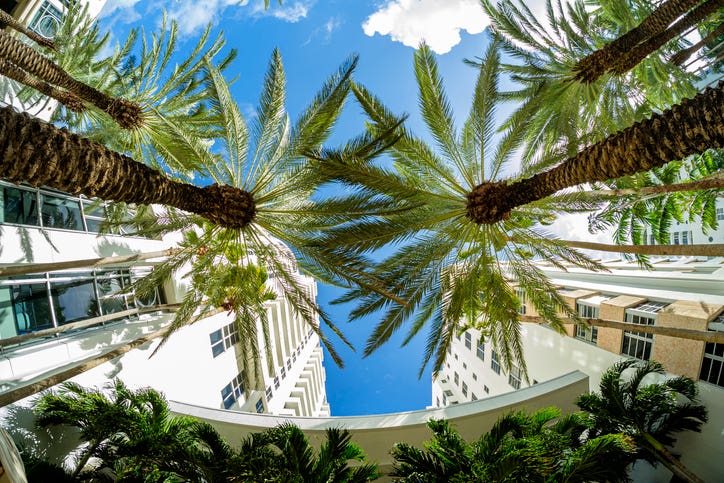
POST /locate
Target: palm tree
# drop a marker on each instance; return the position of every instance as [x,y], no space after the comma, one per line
[558,116]
[468,232]
[519,447]
[287,456]
[649,413]
[628,50]
[133,435]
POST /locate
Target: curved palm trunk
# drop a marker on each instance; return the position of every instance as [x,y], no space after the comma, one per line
[593,66]
[688,128]
[713,250]
[712,182]
[8,20]
[35,152]
[681,56]
[689,334]
[89,262]
[672,463]
[634,56]
[68,99]
[126,113]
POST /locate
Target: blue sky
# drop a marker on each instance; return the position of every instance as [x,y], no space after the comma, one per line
[314,38]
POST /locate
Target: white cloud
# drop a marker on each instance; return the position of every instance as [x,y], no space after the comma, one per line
[437,22]
[193,16]
[325,31]
[121,9]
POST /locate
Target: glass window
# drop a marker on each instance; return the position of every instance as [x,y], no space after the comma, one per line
[465,389]
[585,332]
[494,363]
[468,340]
[475,377]
[473,396]
[486,389]
[47,20]
[74,300]
[260,406]
[94,213]
[639,344]
[19,206]
[712,365]
[31,307]
[457,379]
[60,213]
[515,377]
[110,285]
[481,351]
[676,238]
[521,297]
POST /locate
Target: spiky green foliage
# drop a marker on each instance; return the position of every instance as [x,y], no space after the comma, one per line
[145,70]
[270,159]
[633,217]
[519,447]
[288,456]
[133,435]
[448,272]
[638,399]
[558,116]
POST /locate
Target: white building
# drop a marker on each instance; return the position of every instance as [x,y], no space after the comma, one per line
[682,293]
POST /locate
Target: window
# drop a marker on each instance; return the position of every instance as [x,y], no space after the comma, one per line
[46,20]
[437,402]
[676,238]
[494,364]
[465,389]
[684,237]
[468,340]
[515,376]
[486,389]
[713,361]
[268,393]
[475,377]
[639,344]
[223,338]
[448,393]
[260,406]
[283,372]
[276,383]
[457,379]
[481,351]
[456,356]
[720,214]
[521,296]
[584,332]
[465,366]
[232,391]
[473,397]
[444,400]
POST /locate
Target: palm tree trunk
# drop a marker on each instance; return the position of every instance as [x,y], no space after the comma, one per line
[127,114]
[35,152]
[89,262]
[711,250]
[689,334]
[688,128]
[681,56]
[593,66]
[711,182]
[68,99]
[634,56]
[8,20]
[672,463]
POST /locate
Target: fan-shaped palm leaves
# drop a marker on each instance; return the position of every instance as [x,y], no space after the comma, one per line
[519,447]
[649,409]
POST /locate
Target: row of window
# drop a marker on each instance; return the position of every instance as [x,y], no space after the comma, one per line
[50,209]
[283,369]
[712,365]
[42,301]
[224,338]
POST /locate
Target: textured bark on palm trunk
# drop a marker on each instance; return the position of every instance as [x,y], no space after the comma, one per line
[689,128]
[127,114]
[634,56]
[672,463]
[591,67]
[10,21]
[68,99]
[36,152]
[681,56]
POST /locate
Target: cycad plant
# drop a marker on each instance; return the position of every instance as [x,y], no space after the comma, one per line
[538,447]
[637,399]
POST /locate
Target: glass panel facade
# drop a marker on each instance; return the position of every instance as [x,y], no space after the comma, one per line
[31,308]
[60,213]
[75,300]
[19,206]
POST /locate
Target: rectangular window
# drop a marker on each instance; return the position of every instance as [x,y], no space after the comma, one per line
[63,213]
[515,377]
[457,379]
[585,332]
[676,238]
[481,351]
[223,338]
[465,389]
[713,362]
[639,344]
[468,340]
[268,393]
[19,206]
[276,383]
[475,377]
[494,363]
[437,402]
[260,406]
[473,397]
[232,391]
[521,297]
[720,214]
[486,389]
[444,400]
[684,237]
